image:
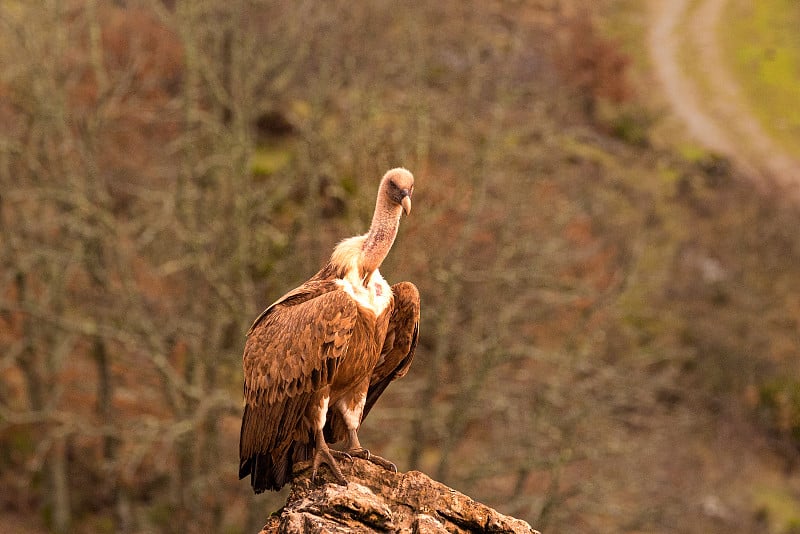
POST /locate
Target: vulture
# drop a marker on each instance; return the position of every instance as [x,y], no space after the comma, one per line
[318,358]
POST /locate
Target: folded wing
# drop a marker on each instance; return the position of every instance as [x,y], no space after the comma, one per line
[399,345]
[291,354]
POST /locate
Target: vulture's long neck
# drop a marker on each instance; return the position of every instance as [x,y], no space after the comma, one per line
[382,231]
[366,252]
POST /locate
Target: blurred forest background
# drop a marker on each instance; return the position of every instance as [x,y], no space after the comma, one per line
[609,340]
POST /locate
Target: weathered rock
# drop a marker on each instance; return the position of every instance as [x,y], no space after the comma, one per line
[376,500]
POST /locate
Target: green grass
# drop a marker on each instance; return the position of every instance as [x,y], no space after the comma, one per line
[693,152]
[762,43]
[779,508]
[267,160]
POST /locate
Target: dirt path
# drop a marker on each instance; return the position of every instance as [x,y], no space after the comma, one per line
[722,121]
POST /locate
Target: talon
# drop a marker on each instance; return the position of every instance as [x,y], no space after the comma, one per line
[360,452]
[341,455]
[324,456]
[377,460]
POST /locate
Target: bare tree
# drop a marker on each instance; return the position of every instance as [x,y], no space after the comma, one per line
[169,168]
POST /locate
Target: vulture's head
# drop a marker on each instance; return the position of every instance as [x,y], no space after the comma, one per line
[398,186]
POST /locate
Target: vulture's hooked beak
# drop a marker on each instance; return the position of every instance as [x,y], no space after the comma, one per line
[406,202]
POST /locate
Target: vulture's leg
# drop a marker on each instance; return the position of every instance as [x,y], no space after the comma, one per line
[351,410]
[323,454]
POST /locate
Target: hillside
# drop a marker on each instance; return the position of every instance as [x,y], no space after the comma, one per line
[609,318]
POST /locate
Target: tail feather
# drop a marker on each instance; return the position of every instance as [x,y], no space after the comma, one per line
[267,473]
[270,444]
[268,469]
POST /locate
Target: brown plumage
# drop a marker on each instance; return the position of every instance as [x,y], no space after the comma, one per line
[317,359]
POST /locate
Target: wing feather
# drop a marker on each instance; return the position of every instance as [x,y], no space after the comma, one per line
[291,353]
[399,344]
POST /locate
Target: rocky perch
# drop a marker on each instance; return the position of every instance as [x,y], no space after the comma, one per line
[376,500]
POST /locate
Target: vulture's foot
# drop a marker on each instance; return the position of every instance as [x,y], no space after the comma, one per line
[364,454]
[341,455]
[324,455]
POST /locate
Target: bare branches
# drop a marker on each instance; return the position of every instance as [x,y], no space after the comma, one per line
[169,167]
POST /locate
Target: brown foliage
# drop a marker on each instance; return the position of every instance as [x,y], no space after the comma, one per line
[596,65]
